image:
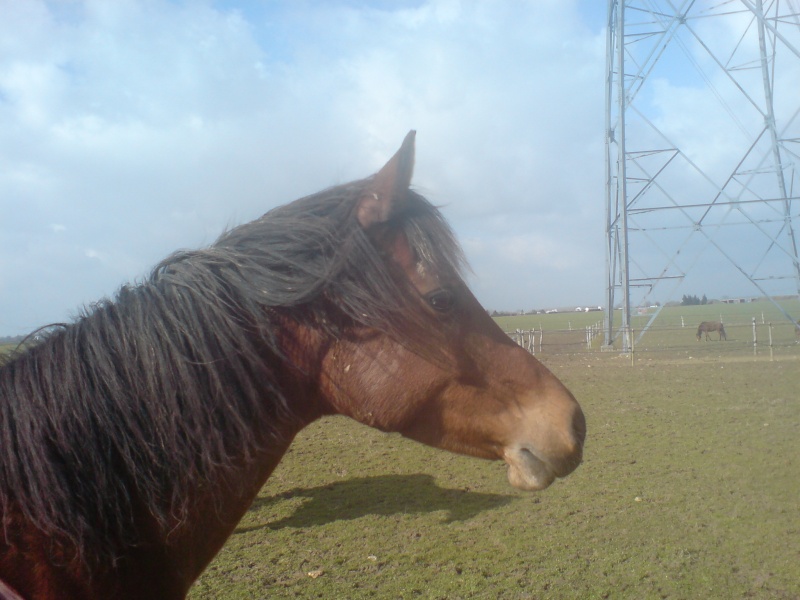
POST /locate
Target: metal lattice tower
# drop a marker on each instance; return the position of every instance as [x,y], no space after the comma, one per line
[702,148]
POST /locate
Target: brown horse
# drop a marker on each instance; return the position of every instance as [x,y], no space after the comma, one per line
[708,326]
[135,438]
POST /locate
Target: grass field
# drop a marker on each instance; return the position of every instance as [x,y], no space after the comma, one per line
[689,489]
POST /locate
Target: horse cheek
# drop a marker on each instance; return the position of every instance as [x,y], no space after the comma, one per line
[374,384]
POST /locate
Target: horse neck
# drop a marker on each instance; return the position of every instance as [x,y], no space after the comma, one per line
[193,545]
[169,557]
[197,541]
[214,517]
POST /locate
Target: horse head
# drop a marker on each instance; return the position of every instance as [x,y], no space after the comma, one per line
[459,383]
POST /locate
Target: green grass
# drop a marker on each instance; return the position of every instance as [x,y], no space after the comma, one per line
[7,349]
[689,489]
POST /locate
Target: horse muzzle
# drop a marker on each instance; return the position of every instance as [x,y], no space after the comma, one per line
[550,445]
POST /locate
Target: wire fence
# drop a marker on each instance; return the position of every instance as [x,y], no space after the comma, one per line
[754,338]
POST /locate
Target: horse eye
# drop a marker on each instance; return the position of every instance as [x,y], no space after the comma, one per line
[441,300]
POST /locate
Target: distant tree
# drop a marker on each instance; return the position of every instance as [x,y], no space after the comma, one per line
[704,300]
[691,300]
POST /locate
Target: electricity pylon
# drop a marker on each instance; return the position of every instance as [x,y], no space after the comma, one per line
[702,148]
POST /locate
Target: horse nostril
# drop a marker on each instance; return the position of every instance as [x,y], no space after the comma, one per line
[567,454]
[579,426]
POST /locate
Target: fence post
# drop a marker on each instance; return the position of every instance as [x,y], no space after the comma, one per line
[631,343]
[755,338]
[682,323]
[770,342]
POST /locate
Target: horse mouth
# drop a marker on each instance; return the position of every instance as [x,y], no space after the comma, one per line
[527,471]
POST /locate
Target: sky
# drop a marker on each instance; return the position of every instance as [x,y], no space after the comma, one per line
[131,129]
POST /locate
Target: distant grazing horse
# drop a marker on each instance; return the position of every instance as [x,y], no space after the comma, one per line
[708,326]
[135,438]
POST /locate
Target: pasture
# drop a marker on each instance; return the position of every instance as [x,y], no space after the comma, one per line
[689,489]
[670,332]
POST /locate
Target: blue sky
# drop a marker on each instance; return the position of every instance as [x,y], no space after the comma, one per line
[130,129]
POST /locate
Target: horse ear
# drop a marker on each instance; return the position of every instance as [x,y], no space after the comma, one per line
[389,188]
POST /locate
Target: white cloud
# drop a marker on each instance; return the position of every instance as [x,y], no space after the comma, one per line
[142,127]
[537,251]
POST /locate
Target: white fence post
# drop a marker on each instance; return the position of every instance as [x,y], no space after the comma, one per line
[770,342]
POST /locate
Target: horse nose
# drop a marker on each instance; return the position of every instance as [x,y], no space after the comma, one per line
[549,442]
[561,439]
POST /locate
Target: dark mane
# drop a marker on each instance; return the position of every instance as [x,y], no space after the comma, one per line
[158,390]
